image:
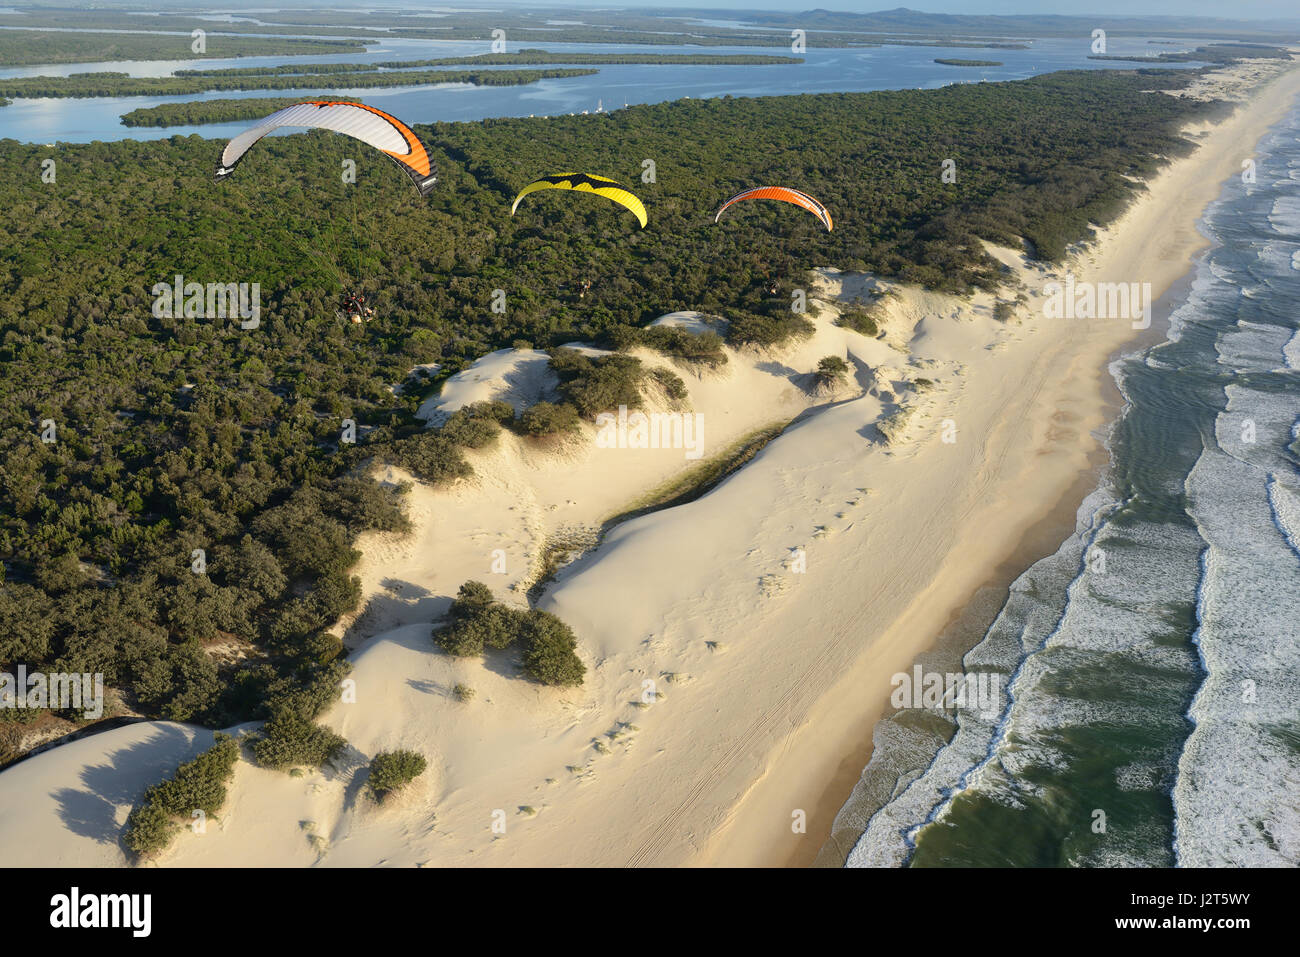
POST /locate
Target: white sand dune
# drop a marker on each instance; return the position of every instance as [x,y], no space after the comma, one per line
[66,807]
[738,646]
[693,322]
[518,376]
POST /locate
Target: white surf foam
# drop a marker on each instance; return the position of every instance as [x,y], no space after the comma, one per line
[1238,773]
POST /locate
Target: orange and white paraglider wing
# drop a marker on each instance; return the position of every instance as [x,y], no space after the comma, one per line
[374,127]
[785,194]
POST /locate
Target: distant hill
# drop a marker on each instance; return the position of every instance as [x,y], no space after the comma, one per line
[903,20]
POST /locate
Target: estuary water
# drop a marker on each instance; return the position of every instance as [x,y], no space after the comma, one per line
[825,70]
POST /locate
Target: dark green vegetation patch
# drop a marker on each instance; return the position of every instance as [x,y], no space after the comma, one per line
[390,771]
[197,786]
[480,622]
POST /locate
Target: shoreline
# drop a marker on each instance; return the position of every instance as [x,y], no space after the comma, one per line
[1040,539]
[1251,122]
[1038,542]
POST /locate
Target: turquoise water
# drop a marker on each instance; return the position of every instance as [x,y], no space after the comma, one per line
[1149,707]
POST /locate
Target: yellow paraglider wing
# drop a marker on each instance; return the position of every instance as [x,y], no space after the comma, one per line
[585,183]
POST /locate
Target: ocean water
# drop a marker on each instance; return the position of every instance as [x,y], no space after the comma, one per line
[1149,712]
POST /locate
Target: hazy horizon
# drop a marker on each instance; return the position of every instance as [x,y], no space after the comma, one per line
[1244,10]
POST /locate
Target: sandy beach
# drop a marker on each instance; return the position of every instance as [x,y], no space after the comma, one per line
[739,647]
[1068,389]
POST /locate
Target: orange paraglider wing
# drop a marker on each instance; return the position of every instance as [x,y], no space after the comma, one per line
[784,194]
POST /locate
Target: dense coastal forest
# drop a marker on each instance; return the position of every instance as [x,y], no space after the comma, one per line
[198,112]
[180,502]
[19,48]
[1212,53]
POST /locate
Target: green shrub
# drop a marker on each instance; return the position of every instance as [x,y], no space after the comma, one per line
[500,625]
[197,785]
[503,412]
[548,418]
[478,622]
[768,330]
[670,382]
[468,431]
[316,687]
[422,345]
[477,425]
[392,770]
[149,829]
[549,651]
[598,385]
[471,598]
[860,319]
[832,369]
[460,639]
[431,456]
[60,573]
[623,337]
[704,347]
[290,740]
[569,363]
[496,626]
